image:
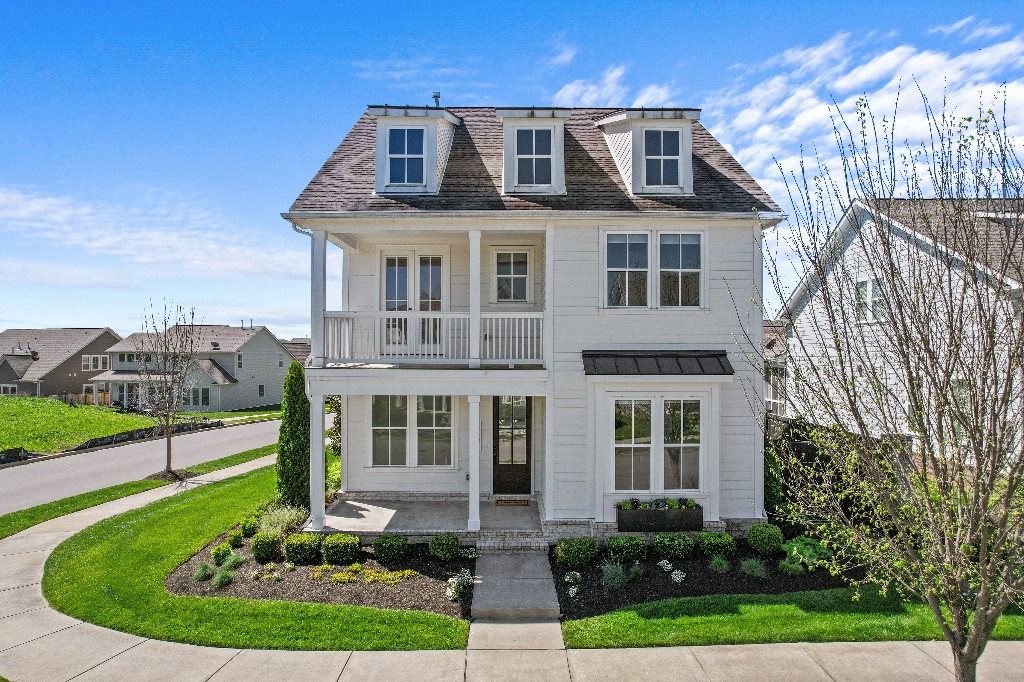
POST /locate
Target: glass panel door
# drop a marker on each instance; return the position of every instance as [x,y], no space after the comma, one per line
[396,299]
[512,447]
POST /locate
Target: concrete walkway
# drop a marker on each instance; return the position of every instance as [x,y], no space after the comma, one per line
[40,644]
[514,587]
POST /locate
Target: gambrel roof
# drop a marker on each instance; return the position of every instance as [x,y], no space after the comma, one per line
[472,178]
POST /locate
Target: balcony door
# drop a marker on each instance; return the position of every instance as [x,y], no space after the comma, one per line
[413,290]
[512,444]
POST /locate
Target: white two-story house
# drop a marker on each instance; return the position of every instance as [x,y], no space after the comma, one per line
[541,304]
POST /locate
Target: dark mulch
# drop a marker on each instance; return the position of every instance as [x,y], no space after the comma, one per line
[655,583]
[425,592]
[173,476]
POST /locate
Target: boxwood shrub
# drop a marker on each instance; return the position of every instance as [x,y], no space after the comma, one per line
[718,543]
[673,545]
[303,548]
[341,548]
[575,551]
[388,549]
[249,526]
[265,546]
[444,546]
[220,553]
[765,538]
[627,548]
[235,538]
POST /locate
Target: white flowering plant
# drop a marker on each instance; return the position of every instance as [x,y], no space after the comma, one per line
[677,577]
[458,583]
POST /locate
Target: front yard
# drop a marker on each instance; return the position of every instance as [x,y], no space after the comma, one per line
[47,426]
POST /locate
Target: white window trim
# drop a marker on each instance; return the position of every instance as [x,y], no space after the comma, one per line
[870,293]
[653,271]
[422,156]
[530,266]
[413,253]
[238,360]
[412,438]
[8,389]
[382,177]
[102,364]
[510,166]
[685,186]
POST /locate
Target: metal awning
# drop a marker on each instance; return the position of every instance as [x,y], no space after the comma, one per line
[657,363]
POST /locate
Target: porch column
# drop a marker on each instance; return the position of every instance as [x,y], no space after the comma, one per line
[316,462]
[318,295]
[474,462]
[474,299]
[95,393]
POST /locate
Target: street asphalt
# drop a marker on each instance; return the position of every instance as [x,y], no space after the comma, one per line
[39,482]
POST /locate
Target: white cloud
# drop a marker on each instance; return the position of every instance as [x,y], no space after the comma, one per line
[159,229]
[563,56]
[609,92]
[972,30]
[654,96]
[952,28]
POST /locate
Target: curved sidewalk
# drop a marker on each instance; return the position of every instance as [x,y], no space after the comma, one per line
[40,644]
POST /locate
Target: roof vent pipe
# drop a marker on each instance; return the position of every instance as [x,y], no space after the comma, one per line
[437,98]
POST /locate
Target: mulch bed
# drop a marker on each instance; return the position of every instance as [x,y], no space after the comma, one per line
[424,592]
[655,583]
[175,476]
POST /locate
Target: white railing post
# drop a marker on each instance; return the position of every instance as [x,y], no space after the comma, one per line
[318,296]
[474,298]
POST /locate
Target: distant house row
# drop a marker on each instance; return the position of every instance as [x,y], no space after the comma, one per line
[239,367]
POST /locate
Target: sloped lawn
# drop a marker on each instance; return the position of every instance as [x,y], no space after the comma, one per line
[112,574]
[48,426]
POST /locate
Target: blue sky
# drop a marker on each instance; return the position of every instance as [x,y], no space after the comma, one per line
[147,152]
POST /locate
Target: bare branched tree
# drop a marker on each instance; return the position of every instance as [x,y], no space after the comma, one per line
[165,353]
[906,360]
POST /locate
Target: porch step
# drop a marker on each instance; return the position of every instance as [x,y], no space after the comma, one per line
[514,586]
[493,541]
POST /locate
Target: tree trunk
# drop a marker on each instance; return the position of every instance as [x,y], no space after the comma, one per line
[965,668]
[168,434]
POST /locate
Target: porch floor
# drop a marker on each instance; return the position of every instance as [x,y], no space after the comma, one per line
[425,517]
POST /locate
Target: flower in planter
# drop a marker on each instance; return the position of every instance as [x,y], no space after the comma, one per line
[677,577]
[665,565]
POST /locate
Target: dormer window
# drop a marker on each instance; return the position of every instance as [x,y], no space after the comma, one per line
[661,158]
[533,156]
[405,156]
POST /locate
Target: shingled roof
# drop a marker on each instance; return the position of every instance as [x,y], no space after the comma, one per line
[228,339]
[472,178]
[53,347]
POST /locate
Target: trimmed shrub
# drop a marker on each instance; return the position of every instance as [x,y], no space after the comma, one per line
[791,566]
[444,546]
[303,549]
[627,548]
[755,568]
[575,551]
[673,545]
[204,572]
[220,553]
[249,526]
[293,441]
[341,548]
[388,549]
[716,543]
[719,564]
[765,538]
[223,578]
[235,538]
[265,546]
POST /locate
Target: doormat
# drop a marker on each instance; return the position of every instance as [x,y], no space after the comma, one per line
[512,503]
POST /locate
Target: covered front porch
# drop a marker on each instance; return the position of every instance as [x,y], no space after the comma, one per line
[372,516]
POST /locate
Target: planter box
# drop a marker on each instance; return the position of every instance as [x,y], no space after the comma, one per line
[659,520]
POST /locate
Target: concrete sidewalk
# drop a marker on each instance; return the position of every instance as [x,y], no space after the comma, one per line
[40,644]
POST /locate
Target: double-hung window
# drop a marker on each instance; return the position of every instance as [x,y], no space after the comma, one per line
[661,158]
[627,270]
[8,389]
[680,270]
[433,430]
[533,156]
[405,156]
[94,362]
[632,444]
[389,421]
[513,271]
[870,304]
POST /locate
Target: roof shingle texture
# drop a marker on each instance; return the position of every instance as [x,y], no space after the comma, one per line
[229,339]
[657,362]
[54,346]
[472,177]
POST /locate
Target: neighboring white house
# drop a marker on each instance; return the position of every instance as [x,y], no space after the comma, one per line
[539,302]
[236,368]
[921,238]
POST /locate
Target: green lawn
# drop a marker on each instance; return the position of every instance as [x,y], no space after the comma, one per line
[47,426]
[825,616]
[112,574]
[268,411]
[15,522]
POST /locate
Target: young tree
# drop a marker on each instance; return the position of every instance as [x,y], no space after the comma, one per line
[293,441]
[906,354]
[165,354]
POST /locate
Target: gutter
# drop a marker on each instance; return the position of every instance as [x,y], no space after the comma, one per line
[768,218]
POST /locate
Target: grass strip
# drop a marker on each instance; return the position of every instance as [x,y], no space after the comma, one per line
[15,522]
[112,574]
[47,426]
[232,460]
[819,616]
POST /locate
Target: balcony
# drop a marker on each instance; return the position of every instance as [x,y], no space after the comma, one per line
[441,338]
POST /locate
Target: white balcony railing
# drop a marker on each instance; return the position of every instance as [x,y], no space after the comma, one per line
[432,337]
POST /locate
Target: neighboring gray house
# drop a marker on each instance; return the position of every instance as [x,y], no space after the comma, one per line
[775,367]
[54,363]
[237,368]
[299,348]
[540,303]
